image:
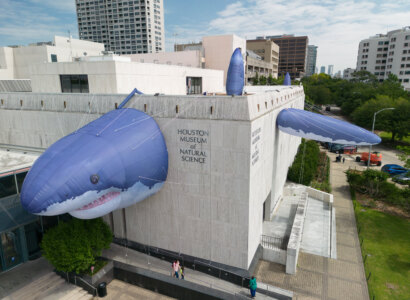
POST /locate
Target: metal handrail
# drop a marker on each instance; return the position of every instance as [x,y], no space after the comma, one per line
[274,242]
[87,283]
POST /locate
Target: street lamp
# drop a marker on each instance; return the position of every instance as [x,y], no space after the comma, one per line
[374,121]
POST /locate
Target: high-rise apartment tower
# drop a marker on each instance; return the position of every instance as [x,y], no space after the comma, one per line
[385,54]
[125,27]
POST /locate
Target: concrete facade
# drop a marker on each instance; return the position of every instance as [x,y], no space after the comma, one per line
[385,54]
[117,74]
[347,73]
[227,164]
[218,51]
[269,53]
[190,58]
[20,62]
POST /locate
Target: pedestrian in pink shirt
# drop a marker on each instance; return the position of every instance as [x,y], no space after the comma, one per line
[175,267]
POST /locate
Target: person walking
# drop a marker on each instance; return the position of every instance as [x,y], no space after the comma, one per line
[253,286]
[175,267]
[182,272]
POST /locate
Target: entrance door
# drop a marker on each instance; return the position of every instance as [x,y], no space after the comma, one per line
[10,248]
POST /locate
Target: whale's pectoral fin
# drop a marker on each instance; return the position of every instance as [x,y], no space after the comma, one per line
[321,128]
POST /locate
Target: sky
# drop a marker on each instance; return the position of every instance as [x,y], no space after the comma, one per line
[336,27]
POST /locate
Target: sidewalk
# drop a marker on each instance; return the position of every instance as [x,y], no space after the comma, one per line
[138,259]
[320,277]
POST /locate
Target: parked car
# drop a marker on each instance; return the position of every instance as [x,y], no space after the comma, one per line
[403,178]
[393,169]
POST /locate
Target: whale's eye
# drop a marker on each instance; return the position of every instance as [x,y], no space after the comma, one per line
[94,178]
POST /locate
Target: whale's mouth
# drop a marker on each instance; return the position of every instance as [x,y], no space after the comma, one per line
[102,200]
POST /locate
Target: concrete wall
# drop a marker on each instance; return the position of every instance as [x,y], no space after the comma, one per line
[219,49]
[211,207]
[21,62]
[6,63]
[190,58]
[114,76]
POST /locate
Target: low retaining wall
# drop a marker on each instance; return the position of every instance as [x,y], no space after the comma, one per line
[275,255]
[295,239]
[319,195]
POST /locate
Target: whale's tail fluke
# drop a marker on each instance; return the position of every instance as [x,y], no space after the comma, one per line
[125,101]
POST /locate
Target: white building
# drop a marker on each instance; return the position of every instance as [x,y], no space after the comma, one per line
[19,62]
[347,73]
[211,209]
[214,52]
[385,54]
[111,74]
[125,27]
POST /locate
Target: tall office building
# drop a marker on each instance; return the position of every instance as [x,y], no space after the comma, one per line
[322,69]
[311,60]
[125,27]
[292,54]
[330,70]
[385,54]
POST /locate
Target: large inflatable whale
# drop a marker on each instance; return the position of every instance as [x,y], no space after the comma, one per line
[111,163]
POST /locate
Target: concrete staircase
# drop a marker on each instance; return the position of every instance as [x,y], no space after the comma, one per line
[50,287]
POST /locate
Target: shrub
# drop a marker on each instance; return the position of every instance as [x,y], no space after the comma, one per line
[304,167]
[374,183]
[73,246]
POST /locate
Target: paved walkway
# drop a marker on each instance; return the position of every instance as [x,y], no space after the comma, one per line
[319,277]
[316,230]
[120,290]
[141,260]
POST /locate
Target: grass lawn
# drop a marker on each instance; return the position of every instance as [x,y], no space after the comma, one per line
[387,136]
[386,241]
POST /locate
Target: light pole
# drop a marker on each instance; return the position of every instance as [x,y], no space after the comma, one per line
[374,121]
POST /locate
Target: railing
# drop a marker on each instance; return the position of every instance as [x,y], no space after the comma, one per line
[85,285]
[273,242]
[78,281]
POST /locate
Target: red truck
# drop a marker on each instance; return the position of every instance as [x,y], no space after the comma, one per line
[375,158]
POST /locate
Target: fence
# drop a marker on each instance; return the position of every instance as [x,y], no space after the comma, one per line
[273,242]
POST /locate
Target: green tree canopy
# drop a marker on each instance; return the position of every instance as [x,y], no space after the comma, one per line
[73,246]
[395,121]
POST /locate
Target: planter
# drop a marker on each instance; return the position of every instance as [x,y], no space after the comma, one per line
[104,274]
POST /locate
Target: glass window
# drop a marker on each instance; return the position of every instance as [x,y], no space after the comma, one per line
[194,85]
[7,186]
[53,57]
[74,83]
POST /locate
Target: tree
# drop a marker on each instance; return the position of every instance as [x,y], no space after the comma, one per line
[262,80]
[364,76]
[271,81]
[392,87]
[319,94]
[255,80]
[395,121]
[405,155]
[73,246]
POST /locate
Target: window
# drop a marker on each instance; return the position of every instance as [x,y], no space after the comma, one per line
[7,186]
[194,85]
[380,43]
[406,80]
[53,57]
[407,37]
[74,83]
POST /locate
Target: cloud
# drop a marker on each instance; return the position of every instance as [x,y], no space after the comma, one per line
[24,22]
[336,27]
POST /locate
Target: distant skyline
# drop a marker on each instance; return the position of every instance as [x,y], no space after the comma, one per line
[336,27]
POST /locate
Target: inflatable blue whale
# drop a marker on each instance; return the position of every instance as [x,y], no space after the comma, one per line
[111,163]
